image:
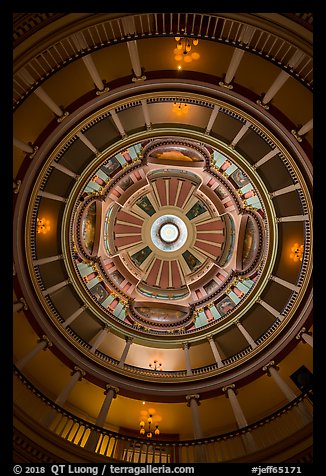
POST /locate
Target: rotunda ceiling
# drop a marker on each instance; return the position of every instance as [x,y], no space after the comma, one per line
[154,232]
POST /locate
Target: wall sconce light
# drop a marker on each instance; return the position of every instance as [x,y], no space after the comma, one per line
[42,225]
[297,252]
[156,365]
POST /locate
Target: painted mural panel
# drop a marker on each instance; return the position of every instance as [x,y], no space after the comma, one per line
[161,315]
[139,257]
[111,166]
[197,209]
[221,192]
[146,205]
[191,260]
[125,183]
[211,287]
[250,243]
[239,178]
[117,277]
[88,227]
[225,305]
[99,292]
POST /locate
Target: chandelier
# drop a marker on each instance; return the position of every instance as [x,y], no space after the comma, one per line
[42,225]
[149,432]
[297,252]
[184,47]
[156,365]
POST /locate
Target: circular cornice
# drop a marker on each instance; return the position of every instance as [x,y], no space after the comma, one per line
[197,136]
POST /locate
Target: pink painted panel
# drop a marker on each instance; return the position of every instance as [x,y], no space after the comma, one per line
[173,190]
[164,280]
[126,229]
[176,278]
[123,216]
[160,185]
[213,250]
[212,237]
[185,187]
[151,278]
[127,240]
[215,225]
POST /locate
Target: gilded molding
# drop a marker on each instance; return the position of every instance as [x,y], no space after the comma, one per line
[225,85]
[229,387]
[296,135]
[113,389]
[64,115]
[267,367]
[194,397]
[260,103]
[78,370]
[45,339]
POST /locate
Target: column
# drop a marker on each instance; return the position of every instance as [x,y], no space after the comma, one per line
[245,37]
[76,375]
[87,142]
[28,148]
[247,438]
[272,371]
[125,352]
[269,308]
[305,336]
[19,305]
[212,119]
[48,101]
[286,284]
[117,123]
[74,316]
[50,259]
[233,66]
[146,113]
[56,287]
[64,170]
[280,80]
[110,393]
[246,335]
[215,351]
[193,403]
[43,344]
[91,68]
[134,58]
[292,218]
[240,134]
[266,157]
[100,336]
[81,44]
[303,130]
[51,196]
[281,191]
[185,347]
[43,96]
[274,88]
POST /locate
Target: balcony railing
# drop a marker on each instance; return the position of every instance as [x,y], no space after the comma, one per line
[283,424]
[146,25]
